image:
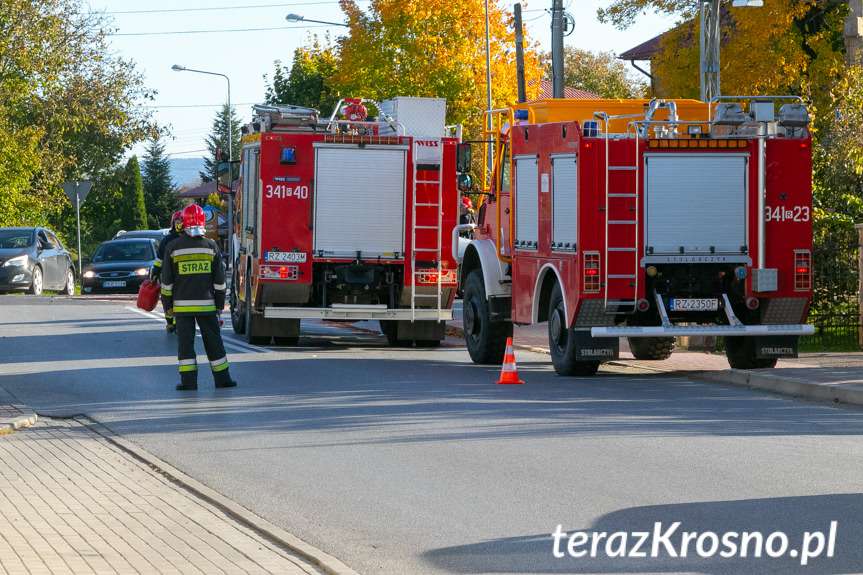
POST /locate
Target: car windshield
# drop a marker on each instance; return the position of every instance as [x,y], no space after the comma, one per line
[124,252]
[13,239]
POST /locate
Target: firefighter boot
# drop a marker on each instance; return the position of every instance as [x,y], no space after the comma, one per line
[223,379]
[188,381]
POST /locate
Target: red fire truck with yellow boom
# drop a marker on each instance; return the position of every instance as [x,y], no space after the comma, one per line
[647,220]
[346,220]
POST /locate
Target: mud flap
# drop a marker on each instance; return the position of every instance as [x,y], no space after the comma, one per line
[775,346]
[422,330]
[589,348]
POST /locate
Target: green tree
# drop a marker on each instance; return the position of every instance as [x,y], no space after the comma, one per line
[600,73]
[133,213]
[69,106]
[160,191]
[218,140]
[307,83]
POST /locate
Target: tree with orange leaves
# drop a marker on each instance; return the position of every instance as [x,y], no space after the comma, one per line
[433,48]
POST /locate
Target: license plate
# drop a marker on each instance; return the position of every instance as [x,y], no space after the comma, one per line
[295,257]
[114,284]
[694,304]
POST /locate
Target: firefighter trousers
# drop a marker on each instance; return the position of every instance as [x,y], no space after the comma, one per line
[213,345]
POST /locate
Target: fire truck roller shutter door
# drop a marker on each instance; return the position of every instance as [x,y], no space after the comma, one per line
[526,202]
[564,189]
[360,200]
[696,202]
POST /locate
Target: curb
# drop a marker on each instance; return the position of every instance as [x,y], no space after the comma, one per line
[295,545]
[25,418]
[785,385]
[831,392]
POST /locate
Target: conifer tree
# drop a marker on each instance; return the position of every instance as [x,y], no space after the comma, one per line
[218,140]
[160,193]
[133,213]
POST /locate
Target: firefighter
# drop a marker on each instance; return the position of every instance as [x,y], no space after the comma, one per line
[176,230]
[466,213]
[193,285]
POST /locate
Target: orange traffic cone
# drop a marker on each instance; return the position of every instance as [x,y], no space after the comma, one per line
[508,373]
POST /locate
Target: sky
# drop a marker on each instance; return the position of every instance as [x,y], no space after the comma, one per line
[242,40]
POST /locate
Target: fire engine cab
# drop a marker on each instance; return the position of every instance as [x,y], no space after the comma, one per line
[344,219]
[644,219]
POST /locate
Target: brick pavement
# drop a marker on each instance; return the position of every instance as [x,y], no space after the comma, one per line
[73,502]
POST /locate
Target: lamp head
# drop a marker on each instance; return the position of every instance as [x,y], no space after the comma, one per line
[293,18]
[178,68]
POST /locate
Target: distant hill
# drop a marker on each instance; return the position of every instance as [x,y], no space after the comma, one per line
[184,171]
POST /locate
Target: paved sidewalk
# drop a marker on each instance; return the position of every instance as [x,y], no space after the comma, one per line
[74,499]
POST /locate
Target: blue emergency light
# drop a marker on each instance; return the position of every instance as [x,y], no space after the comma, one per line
[288,156]
[521,114]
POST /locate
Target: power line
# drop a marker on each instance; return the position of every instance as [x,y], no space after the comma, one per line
[207,105]
[212,8]
[217,31]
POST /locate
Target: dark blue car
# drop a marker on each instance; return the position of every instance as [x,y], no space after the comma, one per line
[33,259]
[119,266]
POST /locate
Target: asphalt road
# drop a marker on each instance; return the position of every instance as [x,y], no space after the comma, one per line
[412,461]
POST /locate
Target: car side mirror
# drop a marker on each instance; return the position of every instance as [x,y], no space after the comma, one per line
[464,183]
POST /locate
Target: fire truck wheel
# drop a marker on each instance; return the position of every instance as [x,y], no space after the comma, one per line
[740,351]
[561,345]
[238,315]
[651,347]
[486,340]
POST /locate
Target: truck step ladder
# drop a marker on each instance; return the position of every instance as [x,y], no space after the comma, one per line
[427,218]
[622,227]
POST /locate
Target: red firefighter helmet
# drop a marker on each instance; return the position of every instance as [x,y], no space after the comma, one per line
[467,203]
[178,215]
[194,220]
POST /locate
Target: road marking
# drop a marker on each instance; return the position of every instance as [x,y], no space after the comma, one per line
[227,340]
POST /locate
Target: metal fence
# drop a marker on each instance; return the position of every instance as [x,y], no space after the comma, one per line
[834,311]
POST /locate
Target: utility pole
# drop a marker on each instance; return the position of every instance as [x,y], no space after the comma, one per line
[519,55]
[557,48]
[709,50]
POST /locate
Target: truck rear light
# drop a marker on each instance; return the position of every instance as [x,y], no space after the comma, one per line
[752,302]
[802,270]
[591,272]
[279,272]
[642,305]
[429,276]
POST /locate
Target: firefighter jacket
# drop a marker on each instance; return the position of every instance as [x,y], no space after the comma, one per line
[160,253]
[193,278]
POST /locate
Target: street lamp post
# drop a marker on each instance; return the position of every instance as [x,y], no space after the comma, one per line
[294,18]
[180,68]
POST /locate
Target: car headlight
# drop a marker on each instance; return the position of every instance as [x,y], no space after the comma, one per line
[16,261]
[143,272]
[89,274]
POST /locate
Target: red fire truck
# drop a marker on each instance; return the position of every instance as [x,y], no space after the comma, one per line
[344,220]
[642,219]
